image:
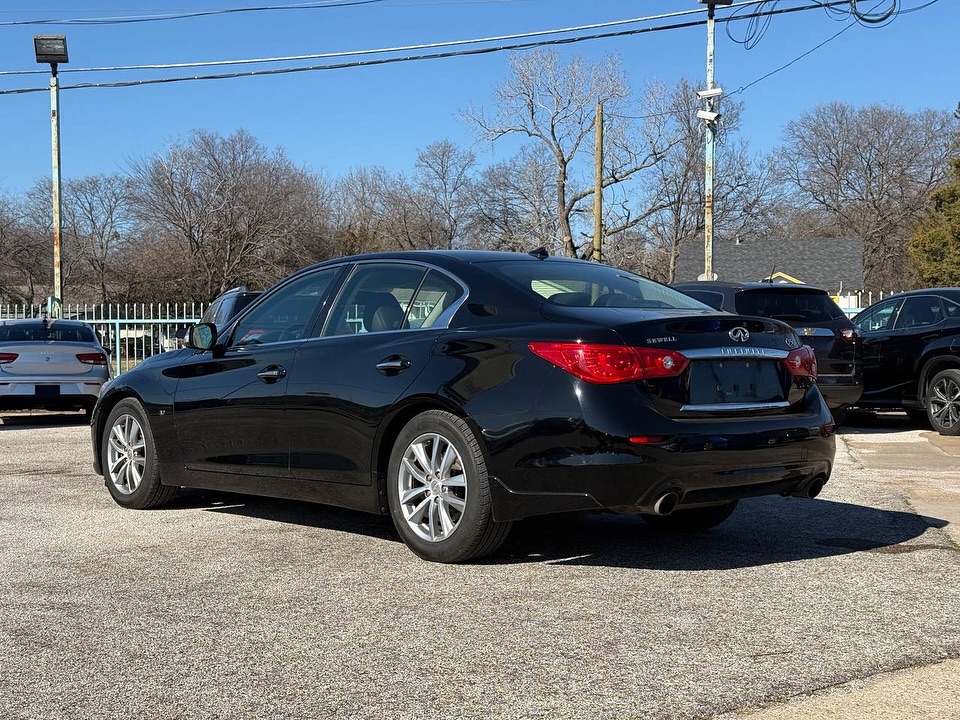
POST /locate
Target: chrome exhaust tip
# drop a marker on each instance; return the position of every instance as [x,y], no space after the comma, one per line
[666,503]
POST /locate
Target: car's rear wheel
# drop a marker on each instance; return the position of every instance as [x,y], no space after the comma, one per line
[943,402]
[692,519]
[129,457]
[439,491]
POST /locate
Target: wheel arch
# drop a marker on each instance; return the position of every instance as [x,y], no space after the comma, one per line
[104,408]
[391,428]
[931,367]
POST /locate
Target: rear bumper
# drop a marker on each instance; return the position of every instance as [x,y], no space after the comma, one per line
[49,395]
[700,469]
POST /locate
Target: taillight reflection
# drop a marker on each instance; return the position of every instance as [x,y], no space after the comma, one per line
[849,334]
[7,358]
[802,364]
[607,364]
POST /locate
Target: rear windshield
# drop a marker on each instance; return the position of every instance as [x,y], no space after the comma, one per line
[576,284]
[45,332]
[788,306]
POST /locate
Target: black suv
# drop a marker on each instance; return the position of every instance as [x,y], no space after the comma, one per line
[911,356]
[818,320]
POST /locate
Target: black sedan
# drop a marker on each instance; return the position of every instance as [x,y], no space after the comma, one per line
[460,391]
[911,356]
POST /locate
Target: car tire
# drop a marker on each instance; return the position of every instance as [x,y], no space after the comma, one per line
[943,402]
[692,519]
[439,491]
[129,459]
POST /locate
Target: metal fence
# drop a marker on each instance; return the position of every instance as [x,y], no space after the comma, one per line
[131,332]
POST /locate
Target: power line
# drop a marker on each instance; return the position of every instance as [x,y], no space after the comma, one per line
[403,48]
[410,58]
[125,20]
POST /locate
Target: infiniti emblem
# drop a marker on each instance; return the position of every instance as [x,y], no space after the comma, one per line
[739,334]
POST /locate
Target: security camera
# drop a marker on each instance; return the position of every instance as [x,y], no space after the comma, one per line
[711,93]
[708,115]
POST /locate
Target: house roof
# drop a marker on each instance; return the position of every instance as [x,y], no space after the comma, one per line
[828,263]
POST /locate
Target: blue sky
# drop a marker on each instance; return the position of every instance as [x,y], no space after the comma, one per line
[333,120]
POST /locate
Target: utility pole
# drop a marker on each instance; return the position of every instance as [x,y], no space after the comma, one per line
[598,186]
[53,49]
[710,116]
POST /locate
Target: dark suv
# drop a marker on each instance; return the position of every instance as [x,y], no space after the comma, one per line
[818,320]
[228,304]
[911,356]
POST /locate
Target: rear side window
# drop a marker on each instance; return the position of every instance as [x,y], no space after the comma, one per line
[45,332]
[576,284]
[789,306]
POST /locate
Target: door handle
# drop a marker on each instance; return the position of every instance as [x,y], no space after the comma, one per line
[272,373]
[394,364]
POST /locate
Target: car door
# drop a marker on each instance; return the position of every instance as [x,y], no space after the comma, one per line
[919,322]
[229,405]
[376,340]
[875,325]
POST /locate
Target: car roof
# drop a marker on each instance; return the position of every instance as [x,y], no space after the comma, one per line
[950,292]
[776,287]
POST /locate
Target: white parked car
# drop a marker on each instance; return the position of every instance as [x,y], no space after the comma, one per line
[50,365]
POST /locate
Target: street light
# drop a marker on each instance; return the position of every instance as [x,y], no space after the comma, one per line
[709,115]
[53,49]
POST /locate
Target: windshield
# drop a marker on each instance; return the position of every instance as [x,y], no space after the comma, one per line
[799,306]
[45,332]
[582,284]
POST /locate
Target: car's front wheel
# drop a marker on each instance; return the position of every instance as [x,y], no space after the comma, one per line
[439,491]
[692,519]
[943,402]
[129,457]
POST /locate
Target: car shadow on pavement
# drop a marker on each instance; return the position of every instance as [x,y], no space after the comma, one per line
[290,512]
[762,531]
[18,421]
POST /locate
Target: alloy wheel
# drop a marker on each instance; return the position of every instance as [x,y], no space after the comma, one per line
[432,487]
[945,402]
[126,454]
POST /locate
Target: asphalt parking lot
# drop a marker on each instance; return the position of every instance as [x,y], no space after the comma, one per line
[230,607]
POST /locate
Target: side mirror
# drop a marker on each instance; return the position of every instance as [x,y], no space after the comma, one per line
[202,336]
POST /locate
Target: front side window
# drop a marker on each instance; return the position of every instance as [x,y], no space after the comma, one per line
[375,298]
[878,319]
[585,284]
[287,313]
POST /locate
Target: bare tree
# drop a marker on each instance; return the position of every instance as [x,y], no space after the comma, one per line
[872,170]
[554,104]
[445,187]
[512,208]
[230,205]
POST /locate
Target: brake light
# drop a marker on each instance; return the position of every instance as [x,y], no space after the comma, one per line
[7,358]
[850,334]
[92,358]
[802,363]
[608,364]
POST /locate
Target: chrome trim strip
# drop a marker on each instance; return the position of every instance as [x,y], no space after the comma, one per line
[815,332]
[731,352]
[735,407]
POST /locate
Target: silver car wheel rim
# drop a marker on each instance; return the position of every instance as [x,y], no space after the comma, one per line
[945,403]
[432,487]
[126,454]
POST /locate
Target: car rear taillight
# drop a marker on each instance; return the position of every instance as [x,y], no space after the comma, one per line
[850,334]
[802,363]
[7,358]
[609,364]
[92,358]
